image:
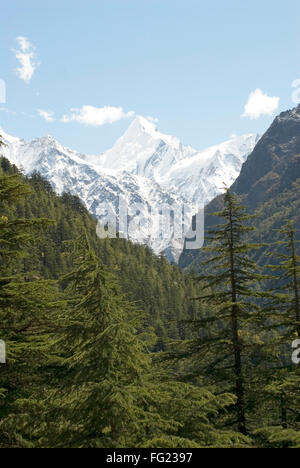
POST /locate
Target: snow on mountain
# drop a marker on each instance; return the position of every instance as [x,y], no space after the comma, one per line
[143,150]
[147,169]
[200,177]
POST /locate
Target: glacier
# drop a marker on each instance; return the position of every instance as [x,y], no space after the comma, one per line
[145,168]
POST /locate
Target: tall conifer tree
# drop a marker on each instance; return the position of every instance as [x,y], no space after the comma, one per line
[23,307]
[282,320]
[104,359]
[227,342]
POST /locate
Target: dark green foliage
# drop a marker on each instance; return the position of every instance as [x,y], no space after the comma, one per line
[105,360]
[111,394]
[158,289]
[282,319]
[79,371]
[229,347]
[232,296]
[285,301]
[88,355]
[24,304]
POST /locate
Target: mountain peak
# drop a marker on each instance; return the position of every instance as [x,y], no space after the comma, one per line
[47,140]
[271,157]
[291,115]
[8,138]
[144,124]
[133,151]
[147,127]
[144,166]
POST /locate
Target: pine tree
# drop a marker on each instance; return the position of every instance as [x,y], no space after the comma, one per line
[104,359]
[226,342]
[80,372]
[285,304]
[22,309]
[282,320]
[111,395]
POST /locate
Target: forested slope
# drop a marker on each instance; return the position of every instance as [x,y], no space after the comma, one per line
[161,291]
[110,346]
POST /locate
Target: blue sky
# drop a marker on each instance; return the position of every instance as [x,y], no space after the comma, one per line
[188,63]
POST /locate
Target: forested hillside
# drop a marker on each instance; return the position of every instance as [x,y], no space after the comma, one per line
[110,346]
[159,290]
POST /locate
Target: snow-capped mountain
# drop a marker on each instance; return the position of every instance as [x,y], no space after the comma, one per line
[196,175]
[146,169]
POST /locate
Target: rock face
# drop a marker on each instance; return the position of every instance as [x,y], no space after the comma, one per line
[269,181]
[272,164]
[146,168]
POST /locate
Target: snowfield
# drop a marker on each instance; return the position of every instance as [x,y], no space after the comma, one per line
[146,169]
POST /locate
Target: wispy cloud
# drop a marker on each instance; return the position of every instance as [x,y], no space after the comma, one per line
[7,111]
[96,116]
[24,43]
[27,58]
[154,120]
[46,115]
[260,104]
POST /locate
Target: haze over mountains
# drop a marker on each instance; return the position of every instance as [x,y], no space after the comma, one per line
[145,167]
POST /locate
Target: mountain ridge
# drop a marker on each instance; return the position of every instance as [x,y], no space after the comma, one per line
[269,185]
[144,166]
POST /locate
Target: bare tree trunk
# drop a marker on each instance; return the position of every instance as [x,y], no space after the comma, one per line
[239,381]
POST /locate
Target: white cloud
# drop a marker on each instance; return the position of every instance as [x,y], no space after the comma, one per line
[48,116]
[96,116]
[152,119]
[296,93]
[27,58]
[24,43]
[7,111]
[260,104]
